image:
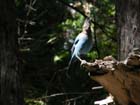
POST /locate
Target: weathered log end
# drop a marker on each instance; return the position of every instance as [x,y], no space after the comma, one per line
[120,78]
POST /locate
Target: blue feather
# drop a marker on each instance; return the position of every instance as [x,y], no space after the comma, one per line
[82,44]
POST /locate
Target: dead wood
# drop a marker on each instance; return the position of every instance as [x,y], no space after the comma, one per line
[120,78]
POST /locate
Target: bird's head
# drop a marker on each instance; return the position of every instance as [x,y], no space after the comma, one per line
[86,25]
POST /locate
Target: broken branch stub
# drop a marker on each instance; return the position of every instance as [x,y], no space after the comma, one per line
[120,78]
[110,64]
[101,66]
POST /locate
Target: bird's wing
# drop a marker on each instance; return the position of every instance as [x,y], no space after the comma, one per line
[77,46]
[75,42]
[73,50]
[87,46]
[82,39]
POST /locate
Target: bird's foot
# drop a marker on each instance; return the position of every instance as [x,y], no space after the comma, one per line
[83,62]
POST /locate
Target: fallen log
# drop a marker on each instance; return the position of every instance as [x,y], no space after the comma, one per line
[120,78]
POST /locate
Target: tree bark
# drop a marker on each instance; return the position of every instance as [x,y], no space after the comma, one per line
[121,79]
[11,93]
[128,24]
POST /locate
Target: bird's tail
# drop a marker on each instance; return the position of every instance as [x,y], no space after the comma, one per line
[71,66]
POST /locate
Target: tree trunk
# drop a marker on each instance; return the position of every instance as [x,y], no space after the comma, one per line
[128,23]
[11,93]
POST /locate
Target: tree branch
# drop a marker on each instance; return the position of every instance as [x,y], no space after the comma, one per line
[120,78]
[95,23]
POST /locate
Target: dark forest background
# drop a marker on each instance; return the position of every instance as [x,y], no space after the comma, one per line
[36,37]
[46,31]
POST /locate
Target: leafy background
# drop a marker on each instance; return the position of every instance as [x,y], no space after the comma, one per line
[46,31]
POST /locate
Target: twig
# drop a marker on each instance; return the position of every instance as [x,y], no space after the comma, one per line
[73,99]
[95,23]
[76,9]
[30,7]
[96,45]
[34,2]
[63,94]
[97,87]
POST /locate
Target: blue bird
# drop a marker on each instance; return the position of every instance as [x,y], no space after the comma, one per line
[82,44]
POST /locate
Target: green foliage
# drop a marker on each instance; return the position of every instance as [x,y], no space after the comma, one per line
[48,30]
[92,55]
[60,56]
[104,14]
[73,24]
[34,102]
